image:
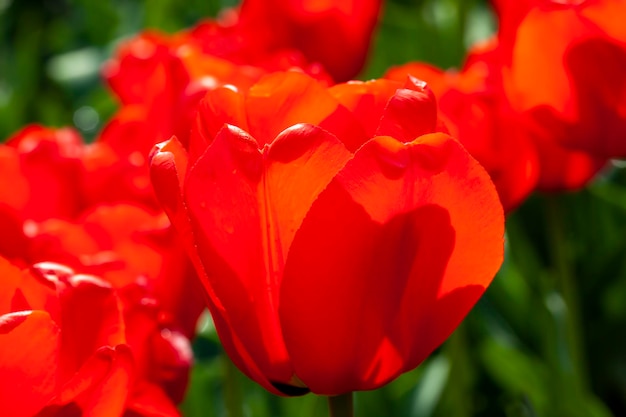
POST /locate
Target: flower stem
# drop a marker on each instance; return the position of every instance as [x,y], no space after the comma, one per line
[341,405]
[566,285]
[232,390]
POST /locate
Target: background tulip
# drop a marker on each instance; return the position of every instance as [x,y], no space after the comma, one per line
[50,358]
[69,343]
[561,91]
[46,217]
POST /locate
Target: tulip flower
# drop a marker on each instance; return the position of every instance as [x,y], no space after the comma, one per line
[39,170]
[124,243]
[62,344]
[131,250]
[277,35]
[572,90]
[336,33]
[340,237]
[70,343]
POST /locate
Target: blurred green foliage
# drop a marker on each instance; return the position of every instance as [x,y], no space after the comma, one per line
[546,340]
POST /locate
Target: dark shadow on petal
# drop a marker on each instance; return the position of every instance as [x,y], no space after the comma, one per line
[290,390]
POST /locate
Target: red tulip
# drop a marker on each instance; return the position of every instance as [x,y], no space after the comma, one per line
[132,250]
[68,344]
[39,168]
[124,244]
[163,355]
[278,35]
[339,238]
[62,344]
[335,33]
[573,88]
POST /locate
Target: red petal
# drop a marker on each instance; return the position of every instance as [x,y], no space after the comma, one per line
[225,105]
[10,277]
[29,357]
[564,169]
[607,14]
[410,113]
[148,400]
[101,387]
[14,188]
[366,100]
[335,33]
[537,76]
[282,100]
[401,229]
[596,68]
[50,162]
[221,195]
[90,318]
[245,208]
[299,165]
[168,168]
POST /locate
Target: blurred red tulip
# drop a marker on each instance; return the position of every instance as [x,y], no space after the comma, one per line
[335,33]
[130,248]
[70,345]
[572,89]
[62,344]
[124,244]
[339,238]
[39,170]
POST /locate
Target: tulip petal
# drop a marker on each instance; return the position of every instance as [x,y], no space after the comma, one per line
[530,85]
[109,399]
[14,187]
[596,66]
[168,167]
[300,163]
[101,386]
[561,168]
[10,277]
[389,108]
[150,400]
[608,15]
[221,195]
[366,100]
[401,228]
[90,317]
[410,113]
[282,100]
[29,357]
[219,107]
[50,162]
[245,217]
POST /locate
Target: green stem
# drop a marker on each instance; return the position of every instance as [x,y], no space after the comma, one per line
[566,285]
[232,389]
[341,405]
[458,387]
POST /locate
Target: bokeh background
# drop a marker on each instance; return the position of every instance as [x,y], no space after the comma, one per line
[547,339]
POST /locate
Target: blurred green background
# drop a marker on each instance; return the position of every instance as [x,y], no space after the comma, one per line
[549,337]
